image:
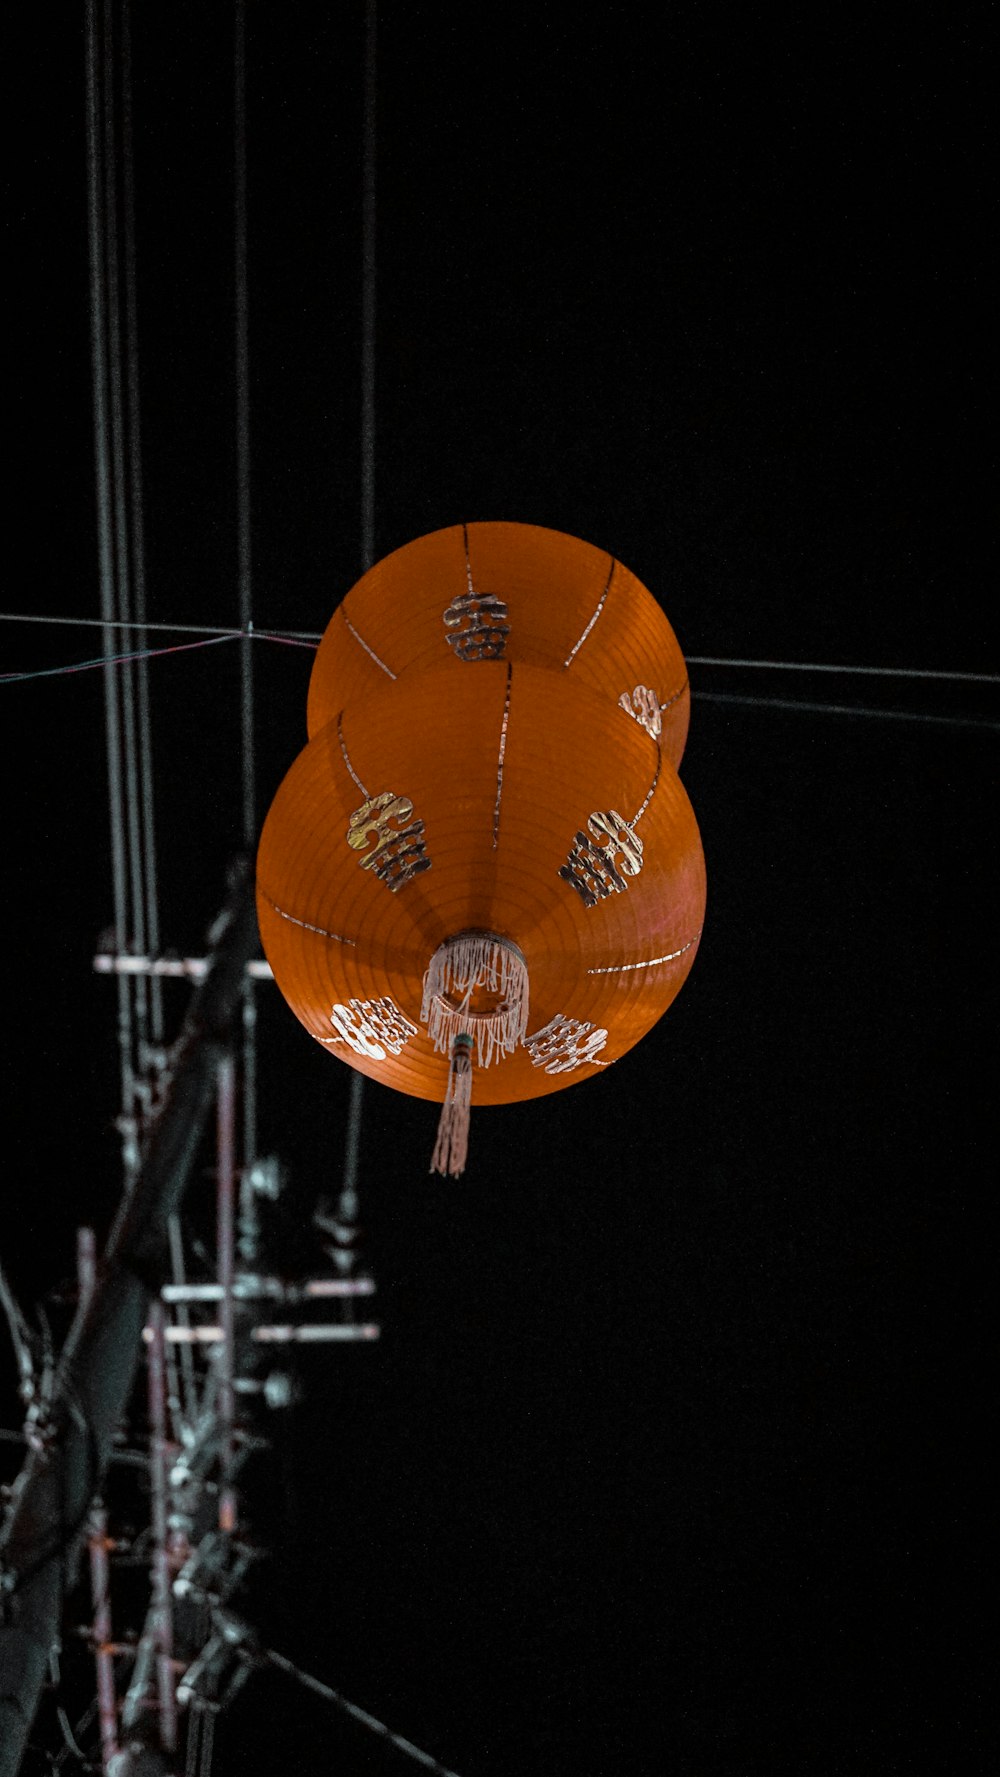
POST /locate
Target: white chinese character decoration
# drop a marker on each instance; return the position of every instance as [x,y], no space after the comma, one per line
[372,1027]
[644,707]
[565,1044]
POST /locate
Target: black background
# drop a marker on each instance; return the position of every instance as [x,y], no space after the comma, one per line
[667,1458]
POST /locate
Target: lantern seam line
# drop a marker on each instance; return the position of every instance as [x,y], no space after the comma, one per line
[346,759]
[468,560]
[503,749]
[677,695]
[652,788]
[651,963]
[600,606]
[361,640]
[321,931]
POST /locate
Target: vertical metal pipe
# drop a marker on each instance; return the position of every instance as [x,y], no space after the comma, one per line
[100,1591]
[86,1266]
[225,1243]
[250,1073]
[160,1576]
[189,1394]
[97,1545]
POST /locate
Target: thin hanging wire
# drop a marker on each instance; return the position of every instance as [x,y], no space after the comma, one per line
[137,536]
[368,286]
[244,565]
[108,660]
[778,703]
[307,636]
[105,535]
[348,1207]
[119,500]
[875,672]
[846,709]
[243,549]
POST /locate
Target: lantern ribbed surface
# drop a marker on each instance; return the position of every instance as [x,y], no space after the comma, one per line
[496,836]
[567,606]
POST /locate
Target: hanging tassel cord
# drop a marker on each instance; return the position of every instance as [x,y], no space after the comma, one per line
[451,1150]
[461,965]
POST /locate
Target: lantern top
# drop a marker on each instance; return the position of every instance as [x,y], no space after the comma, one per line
[472,593]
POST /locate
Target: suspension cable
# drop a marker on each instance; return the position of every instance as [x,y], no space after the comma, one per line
[945,675]
[847,709]
[368,287]
[348,1210]
[812,666]
[243,428]
[105,547]
[119,504]
[244,564]
[137,535]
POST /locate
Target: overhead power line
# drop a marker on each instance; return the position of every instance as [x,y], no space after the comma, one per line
[189,629]
[137,538]
[97,148]
[730,697]
[245,583]
[243,546]
[314,636]
[109,660]
[847,709]
[877,672]
[329,1695]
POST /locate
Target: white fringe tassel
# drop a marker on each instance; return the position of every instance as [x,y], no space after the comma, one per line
[458,967]
[451,1149]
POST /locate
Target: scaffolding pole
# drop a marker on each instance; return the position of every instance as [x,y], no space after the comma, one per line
[47,1519]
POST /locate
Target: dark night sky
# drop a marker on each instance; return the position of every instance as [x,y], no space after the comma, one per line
[666,1461]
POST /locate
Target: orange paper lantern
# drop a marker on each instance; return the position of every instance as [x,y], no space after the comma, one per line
[518,592]
[482,879]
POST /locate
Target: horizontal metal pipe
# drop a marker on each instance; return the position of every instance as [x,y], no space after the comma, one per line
[276,1335]
[258,1289]
[190,968]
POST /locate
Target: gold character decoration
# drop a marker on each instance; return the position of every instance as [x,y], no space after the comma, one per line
[599,862]
[399,853]
[477,626]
